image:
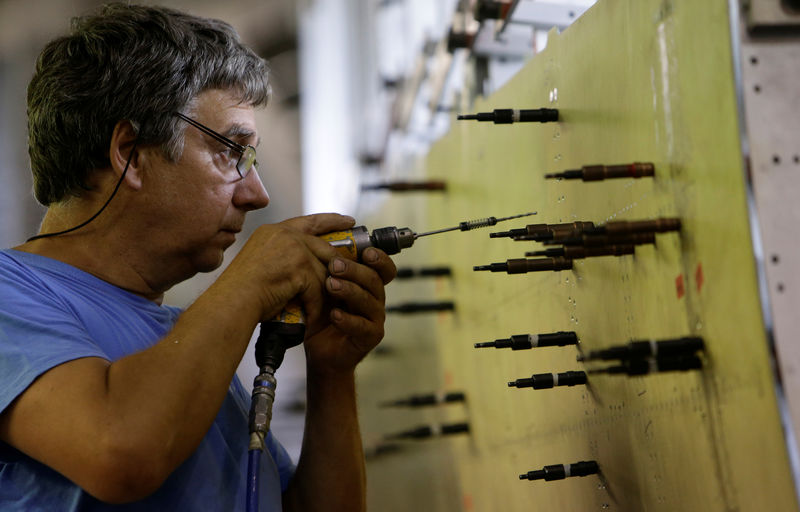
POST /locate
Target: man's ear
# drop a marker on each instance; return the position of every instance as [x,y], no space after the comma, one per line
[122,149]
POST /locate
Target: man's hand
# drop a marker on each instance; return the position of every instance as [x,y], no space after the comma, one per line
[330,474]
[286,261]
[356,320]
[343,299]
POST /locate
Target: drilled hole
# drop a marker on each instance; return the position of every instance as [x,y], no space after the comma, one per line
[780,287]
[754,60]
[757,88]
[796,159]
[775,259]
[776,159]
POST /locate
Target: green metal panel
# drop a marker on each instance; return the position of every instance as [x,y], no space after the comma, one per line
[635,80]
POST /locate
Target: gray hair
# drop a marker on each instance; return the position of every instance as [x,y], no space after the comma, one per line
[127,62]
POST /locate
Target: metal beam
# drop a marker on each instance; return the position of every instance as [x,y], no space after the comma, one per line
[543,15]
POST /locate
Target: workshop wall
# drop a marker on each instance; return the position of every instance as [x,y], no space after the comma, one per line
[634,81]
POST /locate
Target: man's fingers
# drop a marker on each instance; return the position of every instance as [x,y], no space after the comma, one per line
[307,260]
[320,223]
[357,300]
[360,275]
[282,263]
[358,329]
[381,263]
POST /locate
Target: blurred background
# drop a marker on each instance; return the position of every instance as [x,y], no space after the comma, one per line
[361,90]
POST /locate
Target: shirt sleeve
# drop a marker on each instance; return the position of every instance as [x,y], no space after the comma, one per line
[37,333]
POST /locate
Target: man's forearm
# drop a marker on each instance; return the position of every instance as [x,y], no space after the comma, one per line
[118,430]
[170,394]
[330,474]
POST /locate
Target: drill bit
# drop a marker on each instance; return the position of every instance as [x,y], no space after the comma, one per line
[474,224]
[407,186]
[512,115]
[687,345]
[541,231]
[550,380]
[392,240]
[602,172]
[522,265]
[421,307]
[427,431]
[527,341]
[623,227]
[561,471]
[427,399]
[409,273]
[647,365]
[577,252]
[585,240]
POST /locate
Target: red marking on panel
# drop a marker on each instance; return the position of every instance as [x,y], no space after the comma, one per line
[448,378]
[467,502]
[679,286]
[699,277]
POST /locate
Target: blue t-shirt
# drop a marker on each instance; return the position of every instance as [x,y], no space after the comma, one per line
[51,313]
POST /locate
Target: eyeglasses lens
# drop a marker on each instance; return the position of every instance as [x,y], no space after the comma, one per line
[246,161]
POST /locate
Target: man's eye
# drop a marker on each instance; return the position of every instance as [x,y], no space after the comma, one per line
[229,155]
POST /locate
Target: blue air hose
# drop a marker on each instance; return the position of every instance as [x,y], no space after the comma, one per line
[253,470]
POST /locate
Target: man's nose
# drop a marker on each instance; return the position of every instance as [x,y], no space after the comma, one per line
[250,192]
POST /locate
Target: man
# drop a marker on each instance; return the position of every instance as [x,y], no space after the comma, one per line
[141,122]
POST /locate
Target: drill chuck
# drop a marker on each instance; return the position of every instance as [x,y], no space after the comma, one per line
[392,240]
[352,242]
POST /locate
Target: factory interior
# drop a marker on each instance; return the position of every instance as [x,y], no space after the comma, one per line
[597,298]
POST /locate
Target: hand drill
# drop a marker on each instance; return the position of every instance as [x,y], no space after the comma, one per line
[288,328]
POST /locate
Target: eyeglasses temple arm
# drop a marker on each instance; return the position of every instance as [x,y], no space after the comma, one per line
[224,140]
